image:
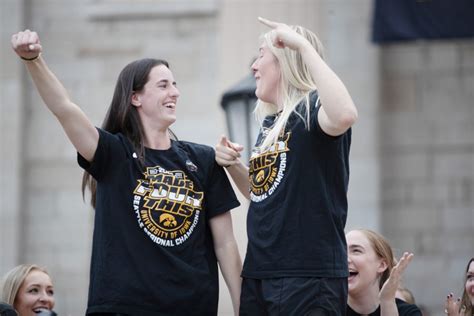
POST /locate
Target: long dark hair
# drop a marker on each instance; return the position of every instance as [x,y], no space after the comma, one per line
[121,116]
[466,301]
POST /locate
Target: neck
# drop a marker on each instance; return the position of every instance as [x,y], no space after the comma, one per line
[158,139]
[365,302]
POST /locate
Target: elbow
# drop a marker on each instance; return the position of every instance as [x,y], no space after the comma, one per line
[347,119]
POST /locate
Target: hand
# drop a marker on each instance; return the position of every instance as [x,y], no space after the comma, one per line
[284,36]
[452,308]
[390,286]
[26,44]
[227,153]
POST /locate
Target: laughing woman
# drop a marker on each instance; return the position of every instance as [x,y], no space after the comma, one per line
[162,217]
[463,306]
[29,289]
[374,276]
[296,261]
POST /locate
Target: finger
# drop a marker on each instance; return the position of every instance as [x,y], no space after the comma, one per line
[226,153]
[20,39]
[405,260]
[14,40]
[268,23]
[226,157]
[32,38]
[235,146]
[223,140]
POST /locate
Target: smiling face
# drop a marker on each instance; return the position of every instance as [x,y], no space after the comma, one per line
[469,286]
[156,102]
[35,293]
[267,74]
[365,267]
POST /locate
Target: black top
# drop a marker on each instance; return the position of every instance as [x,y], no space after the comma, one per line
[152,250]
[404,309]
[298,208]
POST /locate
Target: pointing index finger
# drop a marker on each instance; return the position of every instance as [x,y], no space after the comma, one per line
[267,22]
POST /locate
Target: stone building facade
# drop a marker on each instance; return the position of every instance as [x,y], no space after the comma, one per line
[412,159]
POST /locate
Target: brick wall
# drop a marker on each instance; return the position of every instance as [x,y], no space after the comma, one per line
[427,162]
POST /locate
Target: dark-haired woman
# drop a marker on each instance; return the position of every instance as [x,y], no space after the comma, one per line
[162,216]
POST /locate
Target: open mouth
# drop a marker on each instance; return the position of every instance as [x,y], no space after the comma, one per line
[39,310]
[170,105]
[352,275]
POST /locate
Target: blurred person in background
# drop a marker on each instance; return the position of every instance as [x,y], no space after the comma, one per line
[29,289]
[374,276]
[405,295]
[463,306]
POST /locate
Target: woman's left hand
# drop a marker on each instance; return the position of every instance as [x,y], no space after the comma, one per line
[390,286]
[283,35]
[452,306]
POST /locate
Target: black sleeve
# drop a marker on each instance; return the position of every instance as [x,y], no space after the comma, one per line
[405,309]
[219,194]
[109,150]
[315,106]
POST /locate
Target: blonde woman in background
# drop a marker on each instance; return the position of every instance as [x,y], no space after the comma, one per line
[296,261]
[29,289]
[405,295]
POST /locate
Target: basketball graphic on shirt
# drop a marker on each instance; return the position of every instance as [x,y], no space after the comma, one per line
[167,206]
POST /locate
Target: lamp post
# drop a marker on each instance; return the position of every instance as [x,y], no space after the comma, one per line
[238,103]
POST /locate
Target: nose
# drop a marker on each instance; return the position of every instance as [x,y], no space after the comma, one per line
[254,66]
[175,91]
[47,299]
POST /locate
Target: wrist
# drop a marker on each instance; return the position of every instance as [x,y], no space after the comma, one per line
[31,59]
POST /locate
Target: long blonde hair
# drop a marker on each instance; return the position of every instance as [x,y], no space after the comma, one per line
[296,82]
[13,280]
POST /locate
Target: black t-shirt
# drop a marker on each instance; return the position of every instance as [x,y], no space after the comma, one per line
[298,208]
[404,309]
[152,248]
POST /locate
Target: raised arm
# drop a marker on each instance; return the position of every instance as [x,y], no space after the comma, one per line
[79,129]
[338,112]
[227,155]
[227,255]
[388,307]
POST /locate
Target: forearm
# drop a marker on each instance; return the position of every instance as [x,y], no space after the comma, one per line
[388,308]
[240,175]
[49,88]
[80,131]
[231,267]
[335,99]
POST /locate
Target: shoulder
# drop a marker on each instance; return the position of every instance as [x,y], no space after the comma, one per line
[114,141]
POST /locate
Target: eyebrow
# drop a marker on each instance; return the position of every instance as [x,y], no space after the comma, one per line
[165,81]
[355,246]
[38,285]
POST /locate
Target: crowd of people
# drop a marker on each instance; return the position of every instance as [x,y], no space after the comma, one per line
[162,205]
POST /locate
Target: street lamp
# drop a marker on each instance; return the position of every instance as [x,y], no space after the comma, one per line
[238,103]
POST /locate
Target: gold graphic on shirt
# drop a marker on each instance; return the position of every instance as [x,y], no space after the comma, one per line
[167,206]
[267,169]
